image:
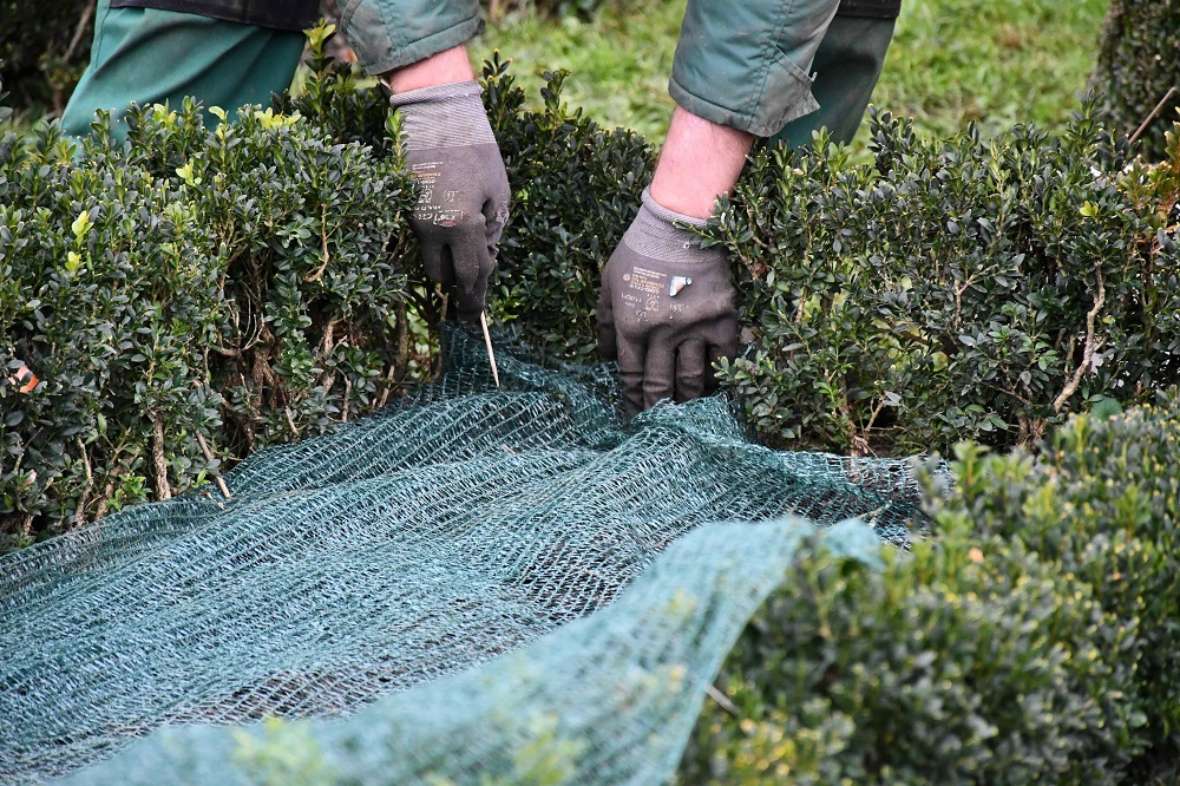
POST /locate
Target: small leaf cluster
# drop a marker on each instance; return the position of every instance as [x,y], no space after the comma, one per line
[576,189]
[1034,641]
[953,289]
[187,297]
[1137,69]
[339,97]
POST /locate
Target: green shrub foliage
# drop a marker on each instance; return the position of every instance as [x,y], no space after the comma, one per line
[947,667]
[235,287]
[1101,503]
[576,189]
[1137,68]
[1033,642]
[257,283]
[944,292]
[954,289]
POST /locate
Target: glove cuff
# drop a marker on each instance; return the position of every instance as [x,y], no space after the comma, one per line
[654,233]
[450,115]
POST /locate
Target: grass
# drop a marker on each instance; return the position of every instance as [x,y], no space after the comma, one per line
[997,62]
[619,61]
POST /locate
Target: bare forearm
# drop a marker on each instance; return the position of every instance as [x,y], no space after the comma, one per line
[700,161]
[446,67]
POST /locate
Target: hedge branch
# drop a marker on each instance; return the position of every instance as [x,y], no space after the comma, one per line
[209,457]
[163,490]
[291,422]
[722,700]
[325,257]
[83,21]
[84,497]
[1147,121]
[1089,347]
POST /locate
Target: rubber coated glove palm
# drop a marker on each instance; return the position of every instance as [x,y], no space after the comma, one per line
[666,309]
[463,201]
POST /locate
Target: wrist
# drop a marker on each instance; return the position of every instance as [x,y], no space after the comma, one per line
[447,115]
[446,67]
[668,235]
[700,162]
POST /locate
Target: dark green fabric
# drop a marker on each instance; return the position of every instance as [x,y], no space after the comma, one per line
[385,34]
[148,56]
[293,15]
[749,65]
[875,9]
[847,66]
[389,34]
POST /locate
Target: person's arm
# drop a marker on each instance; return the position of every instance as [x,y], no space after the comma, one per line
[446,67]
[748,65]
[667,310]
[700,161]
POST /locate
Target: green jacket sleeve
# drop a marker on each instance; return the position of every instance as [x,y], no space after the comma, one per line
[746,64]
[389,34]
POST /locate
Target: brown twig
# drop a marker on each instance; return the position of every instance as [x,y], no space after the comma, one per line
[80,511]
[327,344]
[325,256]
[79,30]
[722,700]
[1153,115]
[221,484]
[1088,348]
[163,490]
[291,422]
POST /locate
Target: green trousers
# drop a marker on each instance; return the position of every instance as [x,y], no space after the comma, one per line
[147,56]
[846,67]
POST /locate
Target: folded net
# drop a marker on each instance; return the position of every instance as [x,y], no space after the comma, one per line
[475,586]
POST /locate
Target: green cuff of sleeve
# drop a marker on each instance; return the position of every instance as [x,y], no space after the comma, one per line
[377,53]
[786,97]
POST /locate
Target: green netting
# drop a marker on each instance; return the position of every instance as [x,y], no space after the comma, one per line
[482,582]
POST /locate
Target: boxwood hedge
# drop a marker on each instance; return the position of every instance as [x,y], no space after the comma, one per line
[1034,641]
[949,290]
[191,294]
[952,289]
[187,297]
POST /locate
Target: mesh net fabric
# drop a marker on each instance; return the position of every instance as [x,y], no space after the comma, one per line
[491,586]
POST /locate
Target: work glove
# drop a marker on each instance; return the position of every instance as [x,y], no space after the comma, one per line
[666,309]
[463,199]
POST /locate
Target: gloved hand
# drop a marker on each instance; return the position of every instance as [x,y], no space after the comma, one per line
[666,309]
[463,203]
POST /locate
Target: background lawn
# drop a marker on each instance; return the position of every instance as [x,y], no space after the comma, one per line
[952,61]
